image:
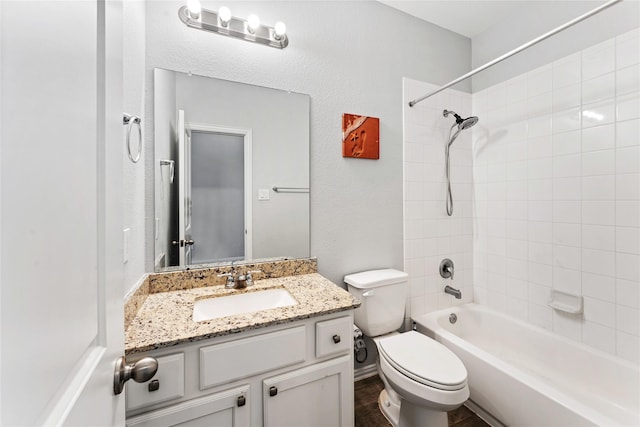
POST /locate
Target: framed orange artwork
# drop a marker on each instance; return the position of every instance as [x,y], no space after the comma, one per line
[360,136]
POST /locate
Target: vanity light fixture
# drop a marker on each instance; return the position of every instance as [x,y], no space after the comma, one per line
[223,23]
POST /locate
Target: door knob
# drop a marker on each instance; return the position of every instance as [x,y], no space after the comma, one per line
[189,242]
[140,371]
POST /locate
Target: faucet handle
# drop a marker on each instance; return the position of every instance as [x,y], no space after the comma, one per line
[446,269]
[231,281]
[249,275]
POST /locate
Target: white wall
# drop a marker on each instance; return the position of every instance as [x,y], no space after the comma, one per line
[134,173]
[341,58]
[536,18]
[429,234]
[556,181]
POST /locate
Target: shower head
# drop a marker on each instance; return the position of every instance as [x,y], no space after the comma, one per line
[462,123]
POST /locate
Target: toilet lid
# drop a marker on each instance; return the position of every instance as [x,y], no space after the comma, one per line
[424,360]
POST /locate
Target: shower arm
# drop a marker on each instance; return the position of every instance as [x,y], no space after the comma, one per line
[518,50]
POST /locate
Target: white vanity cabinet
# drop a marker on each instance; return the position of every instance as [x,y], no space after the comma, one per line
[295,374]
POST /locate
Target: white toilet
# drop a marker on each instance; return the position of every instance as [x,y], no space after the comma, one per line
[423,379]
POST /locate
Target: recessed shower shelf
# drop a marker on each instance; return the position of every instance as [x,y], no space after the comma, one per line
[569,303]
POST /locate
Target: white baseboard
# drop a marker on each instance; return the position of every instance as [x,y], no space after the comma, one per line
[365,372]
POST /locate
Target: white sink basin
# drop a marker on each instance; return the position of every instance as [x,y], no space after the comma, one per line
[216,307]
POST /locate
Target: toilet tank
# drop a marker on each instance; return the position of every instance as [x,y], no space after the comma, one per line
[383,294]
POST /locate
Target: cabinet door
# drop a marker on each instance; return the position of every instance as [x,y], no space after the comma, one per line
[320,395]
[228,408]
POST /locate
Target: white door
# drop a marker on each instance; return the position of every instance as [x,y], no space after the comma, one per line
[60,213]
[185,238]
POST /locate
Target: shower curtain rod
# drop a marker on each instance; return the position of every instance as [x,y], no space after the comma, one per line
[517,50]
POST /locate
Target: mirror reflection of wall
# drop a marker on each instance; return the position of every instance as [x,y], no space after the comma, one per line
[265,133]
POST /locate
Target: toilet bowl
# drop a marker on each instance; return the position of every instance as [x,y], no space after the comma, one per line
[423,379]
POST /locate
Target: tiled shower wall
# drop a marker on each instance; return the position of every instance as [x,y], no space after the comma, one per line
[556,183]
[429,234]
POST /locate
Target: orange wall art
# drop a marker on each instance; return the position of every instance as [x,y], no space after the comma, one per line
[360,136]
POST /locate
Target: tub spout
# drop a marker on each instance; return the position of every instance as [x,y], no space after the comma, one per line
[453,291]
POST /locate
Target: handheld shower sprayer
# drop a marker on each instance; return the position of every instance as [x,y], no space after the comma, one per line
[462,124]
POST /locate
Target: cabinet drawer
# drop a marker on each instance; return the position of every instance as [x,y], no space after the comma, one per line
[170,377]
[222,363]
[334,336]
[227,408]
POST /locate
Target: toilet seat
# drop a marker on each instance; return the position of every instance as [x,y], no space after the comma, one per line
[424,360]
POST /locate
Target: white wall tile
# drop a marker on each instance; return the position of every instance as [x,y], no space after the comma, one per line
[600,187]
[628,267]
[598,113]
[628,347]
[598,88]
[628,80]
[628,320]
[599,138]
[599,262]
[628,160]
[599,59]
[567,71]
[598,212]
[628,240]
[566,143]
[599,237]
[628,106]
[601,162]
[599,336]
[539,81]
[600,287]
[628,187]
[567,120]
[567,280]
[601,312]
[628,293]
[566,97]
[557,195]
[567,234]
[567,325]
[628,133]
[628,49]
[567,211]
[628,213]
[566,188]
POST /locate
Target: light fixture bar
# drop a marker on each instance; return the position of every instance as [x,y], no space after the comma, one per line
[236,27]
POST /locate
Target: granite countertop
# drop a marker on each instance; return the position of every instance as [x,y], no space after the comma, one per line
[166,318]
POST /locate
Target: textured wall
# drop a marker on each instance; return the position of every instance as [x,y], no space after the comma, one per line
[350,57]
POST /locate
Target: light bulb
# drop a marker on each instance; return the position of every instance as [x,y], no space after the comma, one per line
[253,22]
[224,14]
[280,29]
[193,6]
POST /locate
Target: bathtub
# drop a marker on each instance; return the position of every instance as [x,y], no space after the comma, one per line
[522,375]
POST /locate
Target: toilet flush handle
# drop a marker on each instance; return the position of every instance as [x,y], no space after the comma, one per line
[369,293]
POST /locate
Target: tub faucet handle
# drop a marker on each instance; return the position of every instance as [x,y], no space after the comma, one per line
[446,269]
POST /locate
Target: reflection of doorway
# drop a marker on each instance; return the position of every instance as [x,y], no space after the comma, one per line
[220,194]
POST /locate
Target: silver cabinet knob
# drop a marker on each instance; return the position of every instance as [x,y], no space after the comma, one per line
[140,371]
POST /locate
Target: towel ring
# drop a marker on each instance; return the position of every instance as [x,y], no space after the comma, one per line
[129,121]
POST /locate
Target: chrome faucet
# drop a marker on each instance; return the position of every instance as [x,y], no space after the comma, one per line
[238,281]
[453,291]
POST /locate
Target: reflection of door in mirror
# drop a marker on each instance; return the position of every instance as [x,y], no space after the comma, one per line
[220,194]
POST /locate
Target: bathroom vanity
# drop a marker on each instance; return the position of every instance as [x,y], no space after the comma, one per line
[287,366]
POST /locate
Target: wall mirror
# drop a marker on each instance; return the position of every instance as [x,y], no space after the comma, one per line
[231,169]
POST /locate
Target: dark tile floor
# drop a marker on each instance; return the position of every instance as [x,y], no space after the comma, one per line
[368,414]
